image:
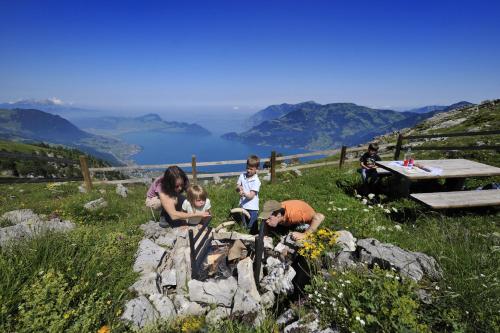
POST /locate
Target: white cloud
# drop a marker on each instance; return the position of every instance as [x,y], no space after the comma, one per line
[56,101]
[236,107]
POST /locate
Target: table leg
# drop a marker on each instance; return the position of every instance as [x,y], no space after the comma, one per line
[404,186]
[454,184]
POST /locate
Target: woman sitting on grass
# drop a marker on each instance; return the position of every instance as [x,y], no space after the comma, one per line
[173,184]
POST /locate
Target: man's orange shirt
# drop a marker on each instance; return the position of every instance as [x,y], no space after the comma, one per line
[297,212]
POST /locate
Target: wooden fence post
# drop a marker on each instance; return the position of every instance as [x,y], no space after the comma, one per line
[85,172]
[398,146]
[342,156]
[273,166]
[193,169]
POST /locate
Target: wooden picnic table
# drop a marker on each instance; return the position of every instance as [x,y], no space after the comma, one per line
[455,171]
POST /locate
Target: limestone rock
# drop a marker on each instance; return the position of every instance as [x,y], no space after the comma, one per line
[148,256]
[187,308]
[20,216]
[164,306]
[267,299]
[268,243]
[346,240]
[247,304]
[217,314]
[286,317]
[411,264]
[121,190]
[96,204]
[146,285]
[220,292]
[342,260]
[279,280]
[168,278]
[30,229]
[167,240]
[140,312]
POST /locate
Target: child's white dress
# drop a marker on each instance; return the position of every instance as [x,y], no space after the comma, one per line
[186,206]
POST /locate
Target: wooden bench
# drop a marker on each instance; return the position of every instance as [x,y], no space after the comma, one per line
[459,199]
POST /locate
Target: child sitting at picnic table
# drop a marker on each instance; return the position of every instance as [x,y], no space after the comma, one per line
[368,167]
[196,202]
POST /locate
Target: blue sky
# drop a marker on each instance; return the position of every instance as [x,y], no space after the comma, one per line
[134,55]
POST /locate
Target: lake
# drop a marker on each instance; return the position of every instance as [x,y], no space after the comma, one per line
[174,148]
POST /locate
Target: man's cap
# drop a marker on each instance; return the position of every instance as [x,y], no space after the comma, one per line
[270,207]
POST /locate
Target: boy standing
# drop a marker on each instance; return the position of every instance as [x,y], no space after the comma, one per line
[248,187]
[368,167]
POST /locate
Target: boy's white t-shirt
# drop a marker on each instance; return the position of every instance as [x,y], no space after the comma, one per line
[249,184]
[186,206]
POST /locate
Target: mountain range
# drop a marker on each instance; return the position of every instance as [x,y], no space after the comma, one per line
[31,125]
[114,126]
[313,126]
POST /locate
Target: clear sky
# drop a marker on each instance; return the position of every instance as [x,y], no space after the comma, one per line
[140,54]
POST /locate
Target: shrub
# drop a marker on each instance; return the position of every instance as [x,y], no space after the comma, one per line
[367,301]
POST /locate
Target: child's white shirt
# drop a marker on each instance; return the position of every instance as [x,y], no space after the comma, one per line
[186,206]
[249,184]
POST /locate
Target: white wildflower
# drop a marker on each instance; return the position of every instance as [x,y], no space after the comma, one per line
[364,201]
[358,196]
[387,211]
[330,203]
[437,287]
[370,207]
[371,196]
[481,275]
[340,295]
[328,208]
[394,209]
[365,210]
[397,227]
[99,274]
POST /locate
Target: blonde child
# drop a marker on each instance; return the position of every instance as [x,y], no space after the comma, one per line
[196,202]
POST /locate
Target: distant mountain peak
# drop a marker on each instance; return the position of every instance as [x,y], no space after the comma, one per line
[149,117]
[46,102]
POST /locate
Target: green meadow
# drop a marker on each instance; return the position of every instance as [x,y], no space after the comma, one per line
[78,281]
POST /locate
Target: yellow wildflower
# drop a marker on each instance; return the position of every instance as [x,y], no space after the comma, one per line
[104,329]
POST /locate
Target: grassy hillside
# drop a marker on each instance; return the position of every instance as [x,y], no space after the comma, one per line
[484,117]
[78,281]
[10,167]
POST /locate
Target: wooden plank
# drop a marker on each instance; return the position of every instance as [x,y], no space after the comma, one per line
[459,199]
[451,168]
[85,172]
[483,147]
[273,167]
[306,166]
[316,153]
[140,167]
[443,135]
